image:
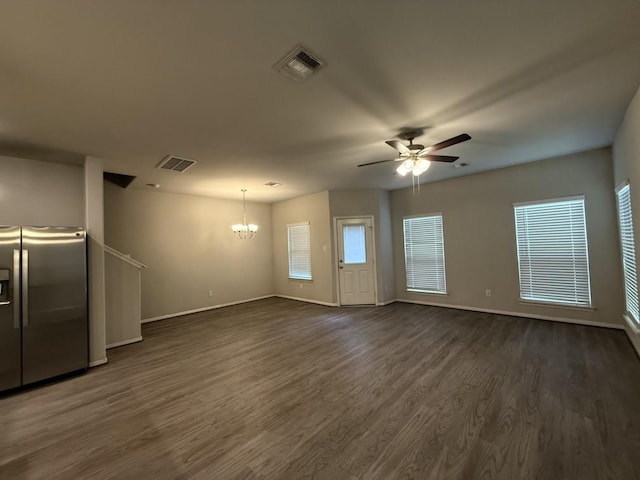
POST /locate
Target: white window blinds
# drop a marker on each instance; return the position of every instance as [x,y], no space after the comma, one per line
[299,242]
[553,257]
[424,254]
[625,223]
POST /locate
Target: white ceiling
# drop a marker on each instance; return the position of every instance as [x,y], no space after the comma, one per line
[131,81]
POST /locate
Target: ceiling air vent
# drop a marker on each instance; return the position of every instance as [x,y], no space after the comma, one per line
[176,164]
[299,64]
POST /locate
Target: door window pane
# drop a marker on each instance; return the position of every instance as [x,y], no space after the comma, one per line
[355,247]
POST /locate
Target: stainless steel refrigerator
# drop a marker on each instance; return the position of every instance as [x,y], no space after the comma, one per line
[43,303]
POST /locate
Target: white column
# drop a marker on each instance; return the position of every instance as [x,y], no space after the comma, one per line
[94,220]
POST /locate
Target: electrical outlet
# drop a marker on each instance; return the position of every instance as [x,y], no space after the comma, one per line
[211,293]
[487,292]
[300,285]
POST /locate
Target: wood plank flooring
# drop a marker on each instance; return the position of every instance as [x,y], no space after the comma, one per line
[278,389]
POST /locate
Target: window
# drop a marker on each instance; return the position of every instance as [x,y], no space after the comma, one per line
[424,254]
[299,241]
[355,246]
[625,224]
[553,258]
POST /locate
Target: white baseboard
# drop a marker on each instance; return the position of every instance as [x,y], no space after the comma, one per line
[635,341]
[96,363]
[388,302]
[631,324]
[124,342]
[203,309]
[588,323]
[326,304]
[633,333]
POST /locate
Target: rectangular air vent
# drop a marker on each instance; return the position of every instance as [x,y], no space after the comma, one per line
[299,64]
[174,163]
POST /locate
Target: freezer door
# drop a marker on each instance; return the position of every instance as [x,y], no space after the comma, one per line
[10,365]
[54,302]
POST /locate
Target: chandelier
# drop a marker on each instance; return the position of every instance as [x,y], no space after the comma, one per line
[243,230]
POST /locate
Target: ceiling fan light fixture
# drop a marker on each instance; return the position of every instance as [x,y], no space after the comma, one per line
[414,166]
[405,167]
[421,165]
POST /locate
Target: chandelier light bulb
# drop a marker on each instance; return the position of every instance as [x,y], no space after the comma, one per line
[243,230]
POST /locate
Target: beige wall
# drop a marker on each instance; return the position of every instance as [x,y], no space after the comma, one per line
[123,290]
[41,193]
[626,154]
[94,221]
[187,244]
[314,209]
[479,233]
[354,203]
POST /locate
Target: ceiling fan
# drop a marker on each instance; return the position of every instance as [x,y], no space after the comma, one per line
[415,158]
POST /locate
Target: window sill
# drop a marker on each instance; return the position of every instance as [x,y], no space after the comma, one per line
[557,305]
[428,292]
[294,279]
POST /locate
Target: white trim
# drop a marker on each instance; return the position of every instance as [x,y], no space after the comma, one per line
[588,323]
[634,336]
[565,306]
[308,300]
[388,302]
[124,342]
[203,309]
[433,220]
[299,275]
[550,200]
[374,262]
[421,215]
[96,363]
[631,324]
[427,292]
[622,185]
[124,257]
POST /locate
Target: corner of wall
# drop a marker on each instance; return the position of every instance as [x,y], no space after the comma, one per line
[626,160]
[94,222]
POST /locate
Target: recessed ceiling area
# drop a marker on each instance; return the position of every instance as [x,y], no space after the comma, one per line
[132,82]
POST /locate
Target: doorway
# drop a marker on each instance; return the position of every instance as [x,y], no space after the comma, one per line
[356,262]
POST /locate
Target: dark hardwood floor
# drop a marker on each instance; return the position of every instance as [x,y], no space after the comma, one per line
[278,389]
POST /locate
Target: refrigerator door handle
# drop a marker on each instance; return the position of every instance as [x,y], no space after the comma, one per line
[16,288]
[25,288]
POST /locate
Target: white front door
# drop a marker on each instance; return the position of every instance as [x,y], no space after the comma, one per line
[356,265]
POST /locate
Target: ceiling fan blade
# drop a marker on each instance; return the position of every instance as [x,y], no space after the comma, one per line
[447,143]
[398,145]
[379,161]
[440,158]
